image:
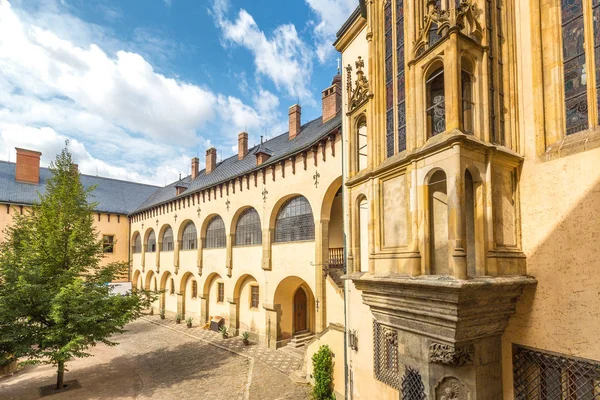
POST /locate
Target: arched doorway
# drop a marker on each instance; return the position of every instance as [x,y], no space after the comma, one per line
[300,311]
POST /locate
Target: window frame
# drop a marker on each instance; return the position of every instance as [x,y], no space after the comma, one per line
[254,287]
[151,242]
[190,242]
[244,228]
[216,233]
[290,232]
[108,245]
[220,292]
[137,243]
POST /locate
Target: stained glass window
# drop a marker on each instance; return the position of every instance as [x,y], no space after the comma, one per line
[436,109]
[215,234]
[389,78]
[574,66]
[400,77]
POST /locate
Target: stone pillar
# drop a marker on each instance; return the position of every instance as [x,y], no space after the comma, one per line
[204,309]
[452,85]
[322,262]
[266,247]
[271,326]
[158,251]
[229,257]
[199,259]
[143,258]
[161,301]
[234,324]
[176,255]
[414,267]
[181,304]
[456,217]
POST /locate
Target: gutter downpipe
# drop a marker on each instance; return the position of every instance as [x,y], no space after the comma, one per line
[129,260]
[345,271]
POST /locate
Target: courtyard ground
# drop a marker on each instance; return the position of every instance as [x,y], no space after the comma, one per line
[160,360]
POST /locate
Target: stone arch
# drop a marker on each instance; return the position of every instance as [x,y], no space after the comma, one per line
[248,317]
[134,237]
[149,281]
[137,280]
[361,215]
[437,254]
[211,305]
[236,218]
[161,234]
[277,208]
[168,300]
[189,305]
[207,220]
[282,206]
[283,300]
[181,229]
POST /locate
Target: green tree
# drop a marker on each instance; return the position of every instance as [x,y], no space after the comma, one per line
[55,301]
[323,373]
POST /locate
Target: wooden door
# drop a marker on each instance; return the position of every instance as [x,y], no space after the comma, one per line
[300,310]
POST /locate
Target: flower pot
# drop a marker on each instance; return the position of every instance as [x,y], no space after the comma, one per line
[162,316]
[189,325]
[246,342]
[177,321]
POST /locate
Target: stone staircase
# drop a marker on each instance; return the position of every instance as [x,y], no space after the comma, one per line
[297,344]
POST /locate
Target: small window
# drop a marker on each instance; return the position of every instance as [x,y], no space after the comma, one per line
[254,296]
[167,243]
[172,286]
[215,234]
[436,108]
[189,237]
[137,243]
[221,292]
[108,244]
[151,243]
[194,289]
[362,146]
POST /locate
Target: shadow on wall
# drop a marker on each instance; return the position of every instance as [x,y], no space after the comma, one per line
[562,313]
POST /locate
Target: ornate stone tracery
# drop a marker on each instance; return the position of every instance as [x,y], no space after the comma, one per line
[360,93]
[450,355]
[450,388]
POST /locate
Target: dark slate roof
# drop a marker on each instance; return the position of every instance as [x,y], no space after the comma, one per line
[279,147]
[354,16]
[112,195]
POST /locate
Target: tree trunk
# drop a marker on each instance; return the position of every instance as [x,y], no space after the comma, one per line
[61,374]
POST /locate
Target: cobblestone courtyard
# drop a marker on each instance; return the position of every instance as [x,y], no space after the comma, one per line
[160,360]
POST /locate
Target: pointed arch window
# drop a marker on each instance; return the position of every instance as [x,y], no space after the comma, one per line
[167,243]
[362,145]
[436,109]
[189,238]
[151,242]
[137,243]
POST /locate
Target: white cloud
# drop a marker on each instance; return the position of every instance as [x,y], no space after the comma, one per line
[283,57]
[331,15]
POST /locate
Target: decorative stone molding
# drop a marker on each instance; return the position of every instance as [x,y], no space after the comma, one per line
[360,93]
[450,388]
[447,354]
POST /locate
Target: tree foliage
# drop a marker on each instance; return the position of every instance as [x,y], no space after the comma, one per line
[55,301]
[323,373]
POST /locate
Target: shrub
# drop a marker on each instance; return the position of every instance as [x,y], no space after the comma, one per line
[323,374]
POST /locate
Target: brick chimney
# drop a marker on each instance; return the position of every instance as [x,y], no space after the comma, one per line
[195,167]
[242,145]
[332,99]
[211,160]
[295,112]
[28,166]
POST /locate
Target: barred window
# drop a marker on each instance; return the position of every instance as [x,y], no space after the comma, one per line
[247,231]
[167,243]
[386,355]
[189,238]
[542,375]
[215,234]
[151,242]
[254,296]
[220,292]
[194,289]
[436,108]
[137,243]
[172,286]
[295,221]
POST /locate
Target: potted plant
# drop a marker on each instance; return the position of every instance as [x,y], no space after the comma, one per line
[224,332]
[151,310]
[162,314]
[188,322]
[245,338]
[178,318]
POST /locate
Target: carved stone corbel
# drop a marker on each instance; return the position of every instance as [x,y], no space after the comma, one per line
[447,354]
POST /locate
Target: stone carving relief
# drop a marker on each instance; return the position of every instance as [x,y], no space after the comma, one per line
[450,388]
[438,19]
[359,93]
[450,355]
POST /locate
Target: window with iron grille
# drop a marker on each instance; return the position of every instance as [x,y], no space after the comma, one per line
[215,234]
[540,375]
[220,292]
[386,355]
[108,244]
[412,385]
[189,239]
[194,289]
[436,108]
[295,221]
[247,231]
[167,243]
[137,243]
[151,242]
[172,286]
[254,296]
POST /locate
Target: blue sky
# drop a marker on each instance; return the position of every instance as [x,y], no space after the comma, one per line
[141,86]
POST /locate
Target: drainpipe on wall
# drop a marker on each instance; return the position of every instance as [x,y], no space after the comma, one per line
[345,272]
[129,261]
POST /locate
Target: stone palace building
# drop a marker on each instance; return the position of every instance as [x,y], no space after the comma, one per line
[436,227]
